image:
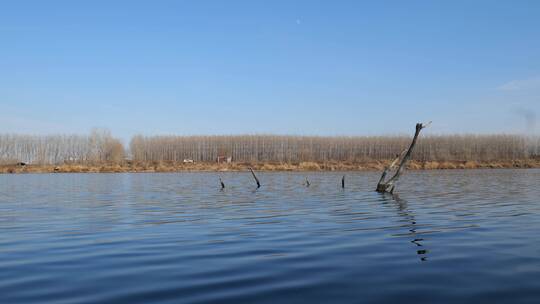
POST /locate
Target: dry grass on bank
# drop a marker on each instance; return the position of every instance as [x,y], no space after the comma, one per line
[301,166]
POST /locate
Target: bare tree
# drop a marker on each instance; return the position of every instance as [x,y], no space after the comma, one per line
[99,147]
[296,149]
[389,185]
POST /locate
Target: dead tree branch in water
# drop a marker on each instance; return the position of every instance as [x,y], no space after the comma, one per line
[343,182]
[389,185]
[222,183]
[307,182]
[255,177]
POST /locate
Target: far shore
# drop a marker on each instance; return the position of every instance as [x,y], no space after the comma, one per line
[237,167]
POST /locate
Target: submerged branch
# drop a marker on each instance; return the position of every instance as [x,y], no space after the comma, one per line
[255,177]
[222,183]
[389,185]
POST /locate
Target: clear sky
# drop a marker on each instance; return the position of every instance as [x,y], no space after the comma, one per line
[281,67]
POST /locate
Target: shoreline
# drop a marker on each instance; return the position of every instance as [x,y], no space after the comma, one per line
[157,167]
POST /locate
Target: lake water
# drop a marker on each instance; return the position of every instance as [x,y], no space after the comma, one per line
[450,237]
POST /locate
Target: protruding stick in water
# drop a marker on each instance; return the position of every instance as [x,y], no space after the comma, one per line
[222,184]
[307,182]
[389,185]
[343,182]
[255,177]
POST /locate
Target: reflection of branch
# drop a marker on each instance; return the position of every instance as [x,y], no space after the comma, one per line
[409,216]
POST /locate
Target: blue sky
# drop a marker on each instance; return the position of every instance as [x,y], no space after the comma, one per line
[281,67]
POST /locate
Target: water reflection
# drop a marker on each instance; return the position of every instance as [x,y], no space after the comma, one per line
[410,218]
[169,238]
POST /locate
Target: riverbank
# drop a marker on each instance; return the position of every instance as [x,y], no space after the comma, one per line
[303,166]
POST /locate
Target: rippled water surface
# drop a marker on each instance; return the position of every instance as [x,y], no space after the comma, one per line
[450,237]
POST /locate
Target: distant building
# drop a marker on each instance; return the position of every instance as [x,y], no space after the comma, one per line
[224,159]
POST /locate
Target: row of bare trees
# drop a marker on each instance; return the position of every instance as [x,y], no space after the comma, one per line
[287,149]
[101,147]
[98,147]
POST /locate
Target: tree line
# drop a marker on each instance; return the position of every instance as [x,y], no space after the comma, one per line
[101,147]
[97,147]
[291,149]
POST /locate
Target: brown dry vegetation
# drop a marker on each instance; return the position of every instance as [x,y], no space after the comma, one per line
[302,166]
